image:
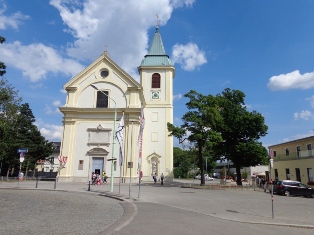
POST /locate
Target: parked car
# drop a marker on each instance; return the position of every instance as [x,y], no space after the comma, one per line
[206,176]
[209,178]
[290,187]
[197,177]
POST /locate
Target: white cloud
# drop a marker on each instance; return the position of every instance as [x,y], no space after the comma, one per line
[63,91]
[38,60]
[57,103]
[181,3]
[53,110]
[13,20]
[189,56]
[306,115]
[50,132]
[293,80]
[311,99]
[93,24]
[177,97]
[122,27]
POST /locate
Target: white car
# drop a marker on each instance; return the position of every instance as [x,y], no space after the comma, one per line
[206,176]
[209,178]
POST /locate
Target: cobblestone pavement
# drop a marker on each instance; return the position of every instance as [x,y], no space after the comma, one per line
[56,212]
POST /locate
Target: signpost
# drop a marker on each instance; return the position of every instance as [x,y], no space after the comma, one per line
[22,152]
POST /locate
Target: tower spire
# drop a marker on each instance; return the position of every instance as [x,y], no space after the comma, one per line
[157,21]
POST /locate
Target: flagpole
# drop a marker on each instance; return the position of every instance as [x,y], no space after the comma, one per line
[131,159]
[140,142]
[119,136]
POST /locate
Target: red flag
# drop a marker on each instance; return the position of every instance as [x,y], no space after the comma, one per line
[140,139]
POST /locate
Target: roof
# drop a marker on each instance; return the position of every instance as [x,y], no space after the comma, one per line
[288,142]
[156,53]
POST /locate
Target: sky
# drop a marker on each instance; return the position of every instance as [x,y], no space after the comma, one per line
[263,48]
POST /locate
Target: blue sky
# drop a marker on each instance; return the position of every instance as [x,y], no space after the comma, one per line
[263,48]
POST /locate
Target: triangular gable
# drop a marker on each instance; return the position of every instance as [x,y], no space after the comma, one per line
[88,71]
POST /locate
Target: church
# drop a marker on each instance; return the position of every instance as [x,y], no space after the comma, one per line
[103,99]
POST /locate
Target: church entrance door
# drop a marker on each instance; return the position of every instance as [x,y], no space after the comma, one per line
[97,165]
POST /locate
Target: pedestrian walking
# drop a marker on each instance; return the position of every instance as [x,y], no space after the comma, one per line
[155,178]
[162,178]
[104,177]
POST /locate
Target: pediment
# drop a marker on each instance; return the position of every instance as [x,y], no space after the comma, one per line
[97,151]
[93,71]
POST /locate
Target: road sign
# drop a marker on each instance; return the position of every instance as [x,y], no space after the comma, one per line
[22,155]
[22,150]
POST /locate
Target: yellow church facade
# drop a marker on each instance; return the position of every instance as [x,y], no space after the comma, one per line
[102,92]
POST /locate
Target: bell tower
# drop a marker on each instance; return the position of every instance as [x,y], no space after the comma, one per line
[156,78]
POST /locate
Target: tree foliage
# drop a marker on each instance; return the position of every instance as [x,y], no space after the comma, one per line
[17,130]
[181,162]
[198,125]
[240,131]
[2,65]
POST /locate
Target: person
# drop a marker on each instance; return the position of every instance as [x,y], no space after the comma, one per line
[162,178]
[98,180]
[141,176]
[93,178]
[155,178]
[263,183]
[104,177]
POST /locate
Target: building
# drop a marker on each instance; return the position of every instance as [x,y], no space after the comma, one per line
[252,171]
[294,160]
[103,91]
[50,164]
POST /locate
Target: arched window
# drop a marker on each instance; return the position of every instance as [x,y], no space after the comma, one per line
[156,80]
[102,99]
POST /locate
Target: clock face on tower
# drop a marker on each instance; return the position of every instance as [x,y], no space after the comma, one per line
[155,94]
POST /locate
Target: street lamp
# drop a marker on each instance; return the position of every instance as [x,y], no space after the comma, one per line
[113,135]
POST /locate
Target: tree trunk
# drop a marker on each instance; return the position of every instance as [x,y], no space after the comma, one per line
[201,164]
[239,178]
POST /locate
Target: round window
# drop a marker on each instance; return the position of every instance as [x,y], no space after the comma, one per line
[104,73]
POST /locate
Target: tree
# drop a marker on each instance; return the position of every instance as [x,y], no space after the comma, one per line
[9,108]
[2,65]
[181,162]
[198,125]
[240,130]
[28,136]
[17,130]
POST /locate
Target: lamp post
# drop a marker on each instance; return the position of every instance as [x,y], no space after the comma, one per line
[113,135]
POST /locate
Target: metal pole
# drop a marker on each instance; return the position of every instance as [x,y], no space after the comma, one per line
[120,178]
[113,143]
[272,195]
[139,183]
[113,135]
[55,186]
[131,159]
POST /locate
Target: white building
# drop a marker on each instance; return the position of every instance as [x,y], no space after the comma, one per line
[88,120]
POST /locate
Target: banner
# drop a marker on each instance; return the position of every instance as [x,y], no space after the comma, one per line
[119,135]
[140,139]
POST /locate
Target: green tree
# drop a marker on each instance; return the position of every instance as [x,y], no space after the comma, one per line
[181,162]
[2,65]
[28,136]
[17,130]
[9,109]
[240,131]
[198,125]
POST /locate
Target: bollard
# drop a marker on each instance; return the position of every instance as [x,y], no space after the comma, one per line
[88,185]
[36,181]
[55,186]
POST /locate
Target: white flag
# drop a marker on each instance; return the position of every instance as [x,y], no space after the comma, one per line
[119,135]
